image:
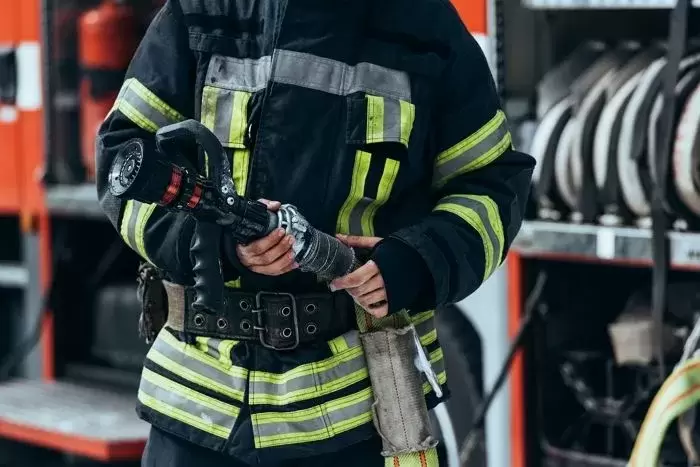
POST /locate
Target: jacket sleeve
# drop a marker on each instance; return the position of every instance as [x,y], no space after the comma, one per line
[157,91]
[480,186]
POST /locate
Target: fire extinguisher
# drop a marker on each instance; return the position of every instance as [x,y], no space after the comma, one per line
[108,36]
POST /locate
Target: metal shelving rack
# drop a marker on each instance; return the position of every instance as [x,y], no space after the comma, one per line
[579,243]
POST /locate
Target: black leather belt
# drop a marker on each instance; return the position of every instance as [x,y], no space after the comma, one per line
[279,321]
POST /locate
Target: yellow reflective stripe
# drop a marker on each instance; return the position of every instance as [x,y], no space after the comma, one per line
[472,140]
[375,119]
[144,108]
[357,215]
[241,166]
[357,188]
[386,183]
[338,345]
[124,228]
[192,395]
[422,317]
[481,213]
[307,368]
[239,118]
[427,458]
[133,225]
[234,284]
[429,338]
[408,116]
[192,352]
[332,417]
[193,376]
[182,416]
[442,379]
[225,348]
[208,117]
[145,212]
[208,112]
[474,152]
[309,381]
[155,102]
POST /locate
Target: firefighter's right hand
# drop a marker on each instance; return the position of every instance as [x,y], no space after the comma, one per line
[271,255]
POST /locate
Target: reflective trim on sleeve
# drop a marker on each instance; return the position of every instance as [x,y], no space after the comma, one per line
[173,399]
[190,363]
[311,380]
[481,213]
[427,458]
[356,217]
[314,424]
[144,108]
[475,151]
[308,71]
[133,225]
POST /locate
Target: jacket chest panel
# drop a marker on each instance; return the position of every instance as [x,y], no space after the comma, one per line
[332,120]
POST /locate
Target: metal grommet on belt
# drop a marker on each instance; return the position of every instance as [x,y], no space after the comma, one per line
[246,325]
[244,304]
[287,332]
[311,308]
[311,328]
[286,311]
[221,323]
[199,320]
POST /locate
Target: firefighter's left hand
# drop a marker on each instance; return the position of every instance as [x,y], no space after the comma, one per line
[365,284]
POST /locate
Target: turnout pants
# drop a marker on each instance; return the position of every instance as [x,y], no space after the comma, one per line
[165,450]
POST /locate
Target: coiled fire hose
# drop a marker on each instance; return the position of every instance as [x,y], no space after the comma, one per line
[213,202]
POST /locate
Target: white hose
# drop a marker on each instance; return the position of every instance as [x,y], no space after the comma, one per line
[448,435]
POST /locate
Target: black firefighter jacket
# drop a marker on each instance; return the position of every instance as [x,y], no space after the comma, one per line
[373,117]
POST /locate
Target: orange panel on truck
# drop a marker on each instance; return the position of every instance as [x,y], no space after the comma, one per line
[9,127]
[473,13]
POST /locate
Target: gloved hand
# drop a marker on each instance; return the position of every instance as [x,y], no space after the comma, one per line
[271,255]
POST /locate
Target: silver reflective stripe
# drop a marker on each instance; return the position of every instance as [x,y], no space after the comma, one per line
[316,423]
[482,214]
[238,74]
[392,120]
[485,146]
[144,108]
[179,402]
[196,366]
[133,221]
[308,71]
[336,77]
[230,117]
[309,381]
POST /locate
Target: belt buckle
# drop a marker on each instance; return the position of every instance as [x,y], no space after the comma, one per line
[258,311]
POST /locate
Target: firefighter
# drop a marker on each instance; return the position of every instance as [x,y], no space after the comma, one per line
[380,121]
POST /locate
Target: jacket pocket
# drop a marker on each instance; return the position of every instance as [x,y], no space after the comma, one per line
[232,86]
[374,119]
[225,112]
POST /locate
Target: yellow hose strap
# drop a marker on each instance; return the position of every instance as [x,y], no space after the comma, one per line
[427,458]
[679,393]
